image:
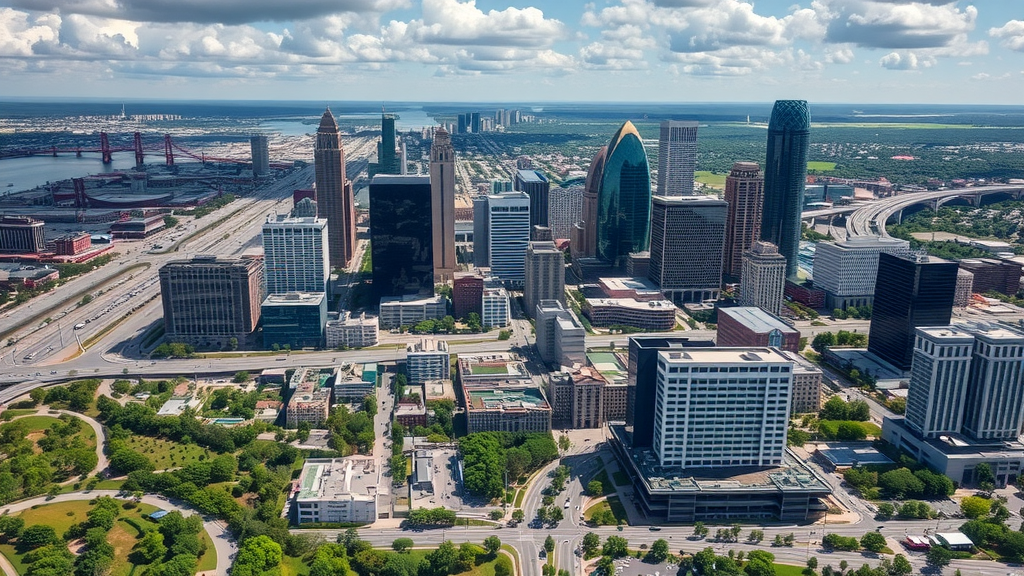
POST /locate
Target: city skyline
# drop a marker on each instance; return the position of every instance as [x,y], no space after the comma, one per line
[827,50]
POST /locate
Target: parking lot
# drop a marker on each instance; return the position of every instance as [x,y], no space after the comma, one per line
[446,489]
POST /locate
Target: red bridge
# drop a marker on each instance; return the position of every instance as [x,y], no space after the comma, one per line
[166,145]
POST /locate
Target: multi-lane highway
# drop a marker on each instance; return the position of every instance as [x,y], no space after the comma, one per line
[870,219]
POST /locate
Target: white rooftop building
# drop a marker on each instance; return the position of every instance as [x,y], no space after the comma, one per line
[427,359]
[342,490]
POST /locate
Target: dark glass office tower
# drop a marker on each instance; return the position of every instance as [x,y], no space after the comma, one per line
[785,171]
[642,381]
[910,291]
[387,157]
[624,200]
[534,183]
[401,235]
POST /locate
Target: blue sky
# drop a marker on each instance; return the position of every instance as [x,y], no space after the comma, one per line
[929,51]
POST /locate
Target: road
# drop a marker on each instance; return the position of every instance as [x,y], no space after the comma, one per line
[218,531]
[870,220]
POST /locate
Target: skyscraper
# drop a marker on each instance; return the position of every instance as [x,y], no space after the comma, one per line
[624,199]
[508,235]
[995,396]
[785,171]
[260,155]
[584,242]
[764,277]
[938,381]
[846,270]
[208,301]
[910,291]
[687,235]
[534,183]
[387,156]
[481,232]
[335,201]
[442,205]
[295,254]
[475,122]
[744,191]
[564,208]
[677,157]
[545,275]
[401,236]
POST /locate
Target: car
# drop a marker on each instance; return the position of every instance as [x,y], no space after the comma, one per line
[655,529]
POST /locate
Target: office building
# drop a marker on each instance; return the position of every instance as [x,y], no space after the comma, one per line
[964,288]
[442,205]
[260,148]
[475,122]
[565,205]
[481,232]
[72,244]
[846,270]
[305,208]
[785,170]
[495,304]
[583,238]
[467,295]
[493,370]
[210,302]
[764,277]
[545,275]
[294,319]
[687,240]
[295,254]
[677,157]
[337,490]
[642,378]
[745,326]
[462,124]
[744,192]
[21,235]
[995,397]
[910,291]
[400,236]
[427,359]
[560,338]
[647,315]
[506,410]
[409,310]
[508,236]
[939,380]
[541,234]
[577,398]
[387,155]
[1002,276]
[352,331]
[534,183]
[624,199]
[354,382]
[309,397]
[335,201]
[806,397]
[691,431]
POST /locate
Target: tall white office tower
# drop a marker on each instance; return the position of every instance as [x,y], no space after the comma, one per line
[295,252]
[938,381]
[677,157]
[508,235]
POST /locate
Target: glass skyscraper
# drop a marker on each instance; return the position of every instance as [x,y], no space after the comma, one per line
[785,171]
[401,236]
[624,198]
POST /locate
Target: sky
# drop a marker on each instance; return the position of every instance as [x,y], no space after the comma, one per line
[849,51]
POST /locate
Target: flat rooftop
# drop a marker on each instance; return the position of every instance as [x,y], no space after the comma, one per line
[494,399]
[531,176]
[609,365]
[622,283]
[295,299]
[632,303]
[723,355]
[338,478]
[757,319]
[852,454]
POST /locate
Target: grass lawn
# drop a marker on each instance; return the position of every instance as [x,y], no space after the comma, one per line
[710,179]
[606,484]
[821,166]
[620,478]
[37,425]
[8,414]
[490,370]
[292,566]
[611,503]
[788,570]
[209,559]
[109,484]
[165,454]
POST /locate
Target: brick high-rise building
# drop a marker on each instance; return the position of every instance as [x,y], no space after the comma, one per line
[467,294]
[442,205]
[207,301]
[335,201]
[764,277]
[744,191]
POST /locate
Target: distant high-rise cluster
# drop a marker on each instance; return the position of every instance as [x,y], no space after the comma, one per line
[335,200]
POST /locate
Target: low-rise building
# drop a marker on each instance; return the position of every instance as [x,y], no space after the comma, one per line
[744,326]
[294,319]
[353,331]
[398,311]
[495,302]
[991,274]
[427,359]
[651,315]
[506,410]
[310,396]
[491,370]
[72,243]
[352,383]
[806,384]
[439,390]
[337,490]
[14,275]
[411,410]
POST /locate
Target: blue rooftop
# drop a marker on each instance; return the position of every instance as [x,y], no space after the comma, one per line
[531,176]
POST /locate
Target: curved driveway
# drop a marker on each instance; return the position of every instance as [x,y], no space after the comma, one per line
[223,544]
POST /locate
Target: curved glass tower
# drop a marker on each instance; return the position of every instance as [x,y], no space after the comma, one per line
[785,171]
[624,199]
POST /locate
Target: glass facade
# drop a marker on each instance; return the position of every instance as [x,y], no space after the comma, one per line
[624,199]
[785,171]
[400,236]
[295,320]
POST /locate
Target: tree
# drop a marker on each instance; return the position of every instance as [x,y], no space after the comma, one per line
[659,551]
[590,544]
[504,335]
[492,544]
[900,566]
[37,535]
[760,563]
[595,488]
[823,341]
[564,443]
[700,530]
[555,515]
[402,544]
[899,483]
[503,566]
[983,473]
[886,510]
[11,527]
[606,566]
[974,507]
[872,542]
[615,547]
[755,536]
[240,377]
[549,544]
[835,408]
[518,515]
[441,562]
[938,556]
